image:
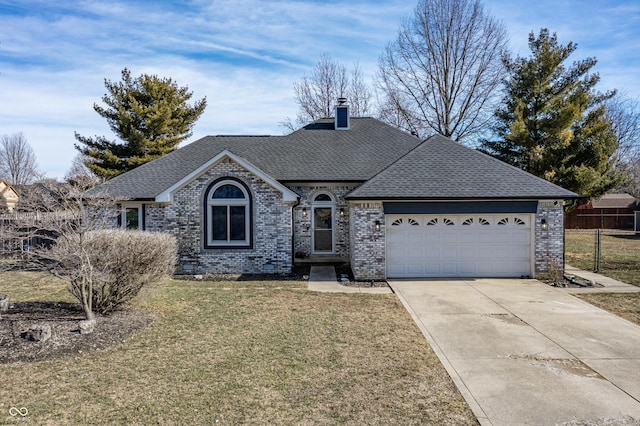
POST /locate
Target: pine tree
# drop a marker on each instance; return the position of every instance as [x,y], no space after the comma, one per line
[552,122]
[149,114]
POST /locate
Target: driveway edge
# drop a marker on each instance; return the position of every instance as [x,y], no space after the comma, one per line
[457,380]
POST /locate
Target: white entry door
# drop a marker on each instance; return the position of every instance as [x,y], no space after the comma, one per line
[458,245]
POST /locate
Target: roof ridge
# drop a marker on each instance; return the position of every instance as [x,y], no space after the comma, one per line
[388,165]
[243,136]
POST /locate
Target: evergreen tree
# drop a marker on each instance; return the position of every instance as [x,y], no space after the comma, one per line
[552,122]
[149,114]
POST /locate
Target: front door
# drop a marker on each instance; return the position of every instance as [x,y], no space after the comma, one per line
[322,230]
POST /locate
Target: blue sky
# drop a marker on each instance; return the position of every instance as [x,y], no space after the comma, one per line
[243,55]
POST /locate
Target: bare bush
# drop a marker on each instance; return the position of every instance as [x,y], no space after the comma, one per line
[58,229]
[115,264]
[555,270]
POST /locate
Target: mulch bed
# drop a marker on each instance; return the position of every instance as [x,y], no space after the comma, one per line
[66,340]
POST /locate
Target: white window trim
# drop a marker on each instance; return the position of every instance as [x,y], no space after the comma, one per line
[323,204]
[228,202]
[123,215]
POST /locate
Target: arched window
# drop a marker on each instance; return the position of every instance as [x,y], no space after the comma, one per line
[227,215]
[323,209]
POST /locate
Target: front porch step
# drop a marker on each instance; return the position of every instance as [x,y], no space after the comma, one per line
[322,259]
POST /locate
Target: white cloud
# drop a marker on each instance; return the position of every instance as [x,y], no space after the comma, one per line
[243,55]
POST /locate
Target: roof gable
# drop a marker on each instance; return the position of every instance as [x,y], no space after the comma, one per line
[167,195]
[7,192]
[443,169]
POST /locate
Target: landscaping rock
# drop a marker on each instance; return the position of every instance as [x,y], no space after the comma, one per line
[87,326]
[4,303]
[38,333]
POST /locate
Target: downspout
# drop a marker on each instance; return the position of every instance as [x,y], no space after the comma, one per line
[293,234]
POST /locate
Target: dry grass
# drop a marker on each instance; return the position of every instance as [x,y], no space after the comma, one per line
[34,286]
[261,354]
[625,305]
[620,257]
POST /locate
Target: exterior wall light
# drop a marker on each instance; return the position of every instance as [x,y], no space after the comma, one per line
[304,212]
[342,212]
[377,226]
[543,224]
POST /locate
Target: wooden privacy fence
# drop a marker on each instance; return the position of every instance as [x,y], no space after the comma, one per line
[623,219]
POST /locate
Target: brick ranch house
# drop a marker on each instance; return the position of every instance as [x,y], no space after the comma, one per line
[346,189]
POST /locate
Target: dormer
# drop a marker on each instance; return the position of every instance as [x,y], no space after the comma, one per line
[342,115]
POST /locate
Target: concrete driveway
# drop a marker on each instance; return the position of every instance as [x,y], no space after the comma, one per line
[524,353]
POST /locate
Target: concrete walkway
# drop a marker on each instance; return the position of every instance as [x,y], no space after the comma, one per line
[525,353]
[323,279]
[609,285]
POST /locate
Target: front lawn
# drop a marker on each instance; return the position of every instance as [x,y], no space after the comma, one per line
[620,254]
[241,353]
[625,305]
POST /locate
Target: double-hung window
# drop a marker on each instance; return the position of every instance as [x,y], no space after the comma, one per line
[228,215]
[131,217]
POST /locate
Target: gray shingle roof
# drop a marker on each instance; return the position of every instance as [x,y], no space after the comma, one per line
[315,152]
[393,165]
[443,169]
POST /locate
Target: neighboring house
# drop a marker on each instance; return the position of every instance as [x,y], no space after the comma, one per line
[8,197]
[346,189]
[611,211]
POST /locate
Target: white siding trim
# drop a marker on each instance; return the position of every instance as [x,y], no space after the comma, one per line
[288,196]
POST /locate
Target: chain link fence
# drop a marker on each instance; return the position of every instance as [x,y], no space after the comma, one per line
[611,252]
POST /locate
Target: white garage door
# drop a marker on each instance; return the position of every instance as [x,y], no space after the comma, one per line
[479,245]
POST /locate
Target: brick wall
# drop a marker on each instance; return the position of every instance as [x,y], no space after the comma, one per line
[368,245]
[271,227]
[549,243]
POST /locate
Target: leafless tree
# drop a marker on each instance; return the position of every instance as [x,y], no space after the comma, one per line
[317,93]
[624,114]
[18,164]
[359,93]
[62,231]
[442,72]
[80,174]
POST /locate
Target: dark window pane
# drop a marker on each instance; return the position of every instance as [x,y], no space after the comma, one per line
[343,117]
[228,191]
[238,230]
[219,223]
[322,197]
[322,217]
[132,217]
[322,240]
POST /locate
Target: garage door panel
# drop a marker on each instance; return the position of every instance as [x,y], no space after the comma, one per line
[396,270]
[467,253]
[414,255]
[467,270]
[414,269]
[459,245]
[484,237]
[485,269]
[414,237]
[431,270]
[520,237]
[449,269]
[431,253]
[449,253]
